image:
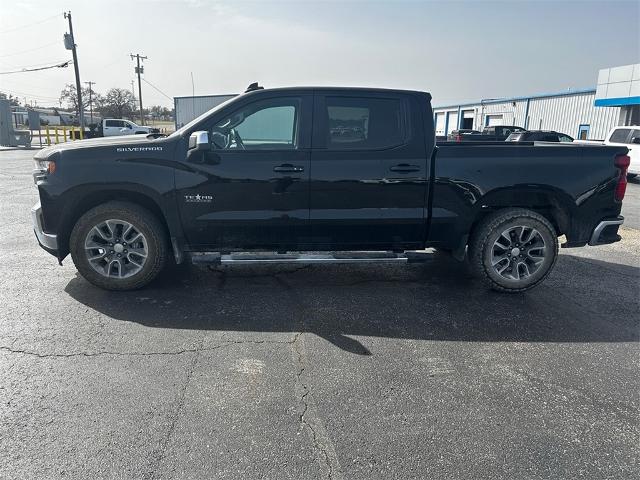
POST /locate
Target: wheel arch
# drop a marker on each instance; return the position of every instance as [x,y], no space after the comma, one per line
[555,205]
[83,203]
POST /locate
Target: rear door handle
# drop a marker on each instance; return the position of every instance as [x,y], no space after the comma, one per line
[405,168]
[288,168]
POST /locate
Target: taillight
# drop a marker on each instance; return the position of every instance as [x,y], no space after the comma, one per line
[622,163]
[458,138]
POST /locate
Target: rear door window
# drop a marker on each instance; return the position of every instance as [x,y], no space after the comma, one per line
[363,123]
[620,135]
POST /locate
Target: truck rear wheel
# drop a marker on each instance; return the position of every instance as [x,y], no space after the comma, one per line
[118,246]
[513,250]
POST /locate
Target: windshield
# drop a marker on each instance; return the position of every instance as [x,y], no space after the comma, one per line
[202,117]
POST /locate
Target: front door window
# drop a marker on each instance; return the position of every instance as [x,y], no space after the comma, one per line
[265,125]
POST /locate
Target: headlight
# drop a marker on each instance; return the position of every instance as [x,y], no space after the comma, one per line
[48,166]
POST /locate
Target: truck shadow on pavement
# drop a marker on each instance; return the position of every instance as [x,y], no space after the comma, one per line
[438,301]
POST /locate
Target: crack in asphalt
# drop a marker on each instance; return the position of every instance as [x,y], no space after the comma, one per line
[160,453]
[320,438]
[227,343]
[305,407]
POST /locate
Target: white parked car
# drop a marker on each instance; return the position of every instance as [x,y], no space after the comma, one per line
[112,127]
[629,136]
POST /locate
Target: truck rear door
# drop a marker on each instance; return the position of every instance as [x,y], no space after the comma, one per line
[368,171]
[112,128]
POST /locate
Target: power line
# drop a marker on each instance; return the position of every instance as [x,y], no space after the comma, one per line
[23,94]
[50,62]
[58,65]
[29,50]
[156,88]
[30,24]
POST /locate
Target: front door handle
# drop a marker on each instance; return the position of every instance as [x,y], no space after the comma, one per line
[288,168]
[405,168]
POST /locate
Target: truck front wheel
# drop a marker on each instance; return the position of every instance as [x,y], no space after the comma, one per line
[118,246]
[513,250]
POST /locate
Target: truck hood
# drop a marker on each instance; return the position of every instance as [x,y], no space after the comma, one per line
[130,143]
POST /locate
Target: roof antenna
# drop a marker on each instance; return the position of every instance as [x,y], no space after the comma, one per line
[252,87]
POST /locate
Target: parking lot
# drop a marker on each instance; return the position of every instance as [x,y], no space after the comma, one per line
[321,372]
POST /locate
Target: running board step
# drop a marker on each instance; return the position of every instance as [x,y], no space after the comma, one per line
[207,258]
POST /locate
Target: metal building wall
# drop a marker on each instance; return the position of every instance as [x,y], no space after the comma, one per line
[188,108]
[562,112]
[565,114]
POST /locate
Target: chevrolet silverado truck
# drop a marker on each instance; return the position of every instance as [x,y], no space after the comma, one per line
[110,127]
[312,175]
[497,133]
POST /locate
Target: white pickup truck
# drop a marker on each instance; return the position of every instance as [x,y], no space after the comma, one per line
[628,136]
[112,127]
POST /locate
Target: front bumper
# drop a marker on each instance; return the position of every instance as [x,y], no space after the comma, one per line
[606,231]
[46,240]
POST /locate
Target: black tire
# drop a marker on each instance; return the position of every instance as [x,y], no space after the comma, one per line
[145,222]
[482,249]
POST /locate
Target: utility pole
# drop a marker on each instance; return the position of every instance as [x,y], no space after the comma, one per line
[90,100]
[70,44]
[139,70]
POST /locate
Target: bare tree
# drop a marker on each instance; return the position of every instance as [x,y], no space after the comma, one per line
[13,101]
[69,96]
[160,113]
[117,103]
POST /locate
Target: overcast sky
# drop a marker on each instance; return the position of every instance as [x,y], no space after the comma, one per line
[457,50]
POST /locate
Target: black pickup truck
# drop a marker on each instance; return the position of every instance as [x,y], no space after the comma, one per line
[497,133]
[321,175]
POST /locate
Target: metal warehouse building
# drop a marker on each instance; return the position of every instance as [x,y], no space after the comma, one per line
[582,114]
[188,108]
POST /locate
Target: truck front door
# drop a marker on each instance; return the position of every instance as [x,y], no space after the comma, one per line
[251,190]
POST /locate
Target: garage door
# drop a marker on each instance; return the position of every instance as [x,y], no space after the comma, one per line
[493,120]
[452,124]
[440,124]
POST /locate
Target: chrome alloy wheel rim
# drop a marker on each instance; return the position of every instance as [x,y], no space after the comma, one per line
[518,253]
[116,249]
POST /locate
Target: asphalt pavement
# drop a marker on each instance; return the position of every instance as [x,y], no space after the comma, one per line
[321,372]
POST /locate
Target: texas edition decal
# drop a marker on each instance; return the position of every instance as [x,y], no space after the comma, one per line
[198,198]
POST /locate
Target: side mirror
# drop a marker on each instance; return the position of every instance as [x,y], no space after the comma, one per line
[635,140]
[199,141]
